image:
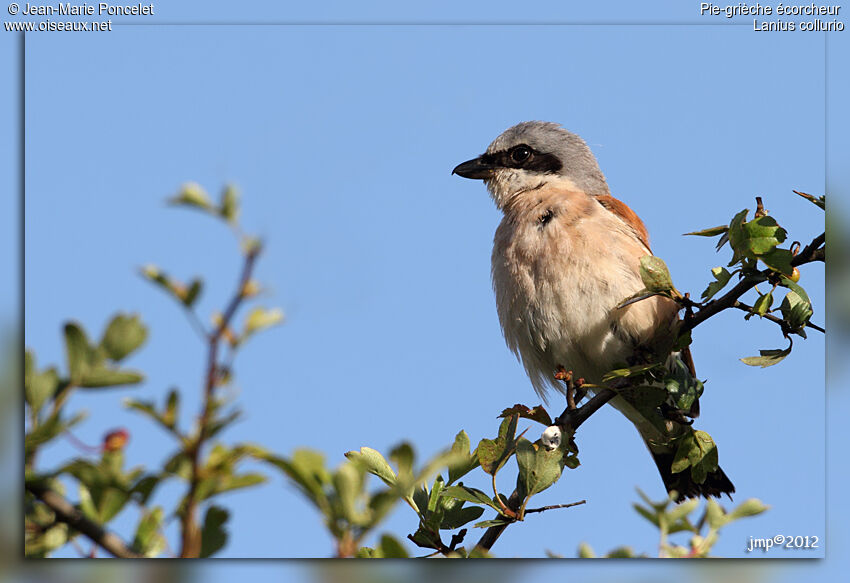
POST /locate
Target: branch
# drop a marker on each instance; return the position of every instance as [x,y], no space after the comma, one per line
[492,534]
[570,420]
[728,300]
[814,251]
[774,319]
[66,513]
[191,534]
[556,506]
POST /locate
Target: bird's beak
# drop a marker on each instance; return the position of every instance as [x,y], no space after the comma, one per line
[475,169]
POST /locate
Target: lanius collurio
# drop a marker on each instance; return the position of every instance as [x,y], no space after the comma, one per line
[565,255]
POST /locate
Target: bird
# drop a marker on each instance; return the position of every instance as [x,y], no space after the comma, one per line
[565,255]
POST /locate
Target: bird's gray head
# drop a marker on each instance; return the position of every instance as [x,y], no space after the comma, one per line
[532,154]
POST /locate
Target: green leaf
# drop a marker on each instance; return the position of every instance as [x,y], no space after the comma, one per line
[460,515]
[172,404]
[213,534]
[78,352]
[779,260]
[374,463]
[110,502]
[167,418]
[349,482]
[403,456]
[87,504]
[494,522]
[537,413]
[144,487]
[148,540]
[123,335]
[38,387]
[736,236]
[762,305]
[229,207]
[467,463]
[655,275]
[468,494]
[763,234]
[712,232]
[714,514]
[237,482]
[571,461]
[193,195]
[697,451]
[585,551]
[722,277]
[104,377]
[796,288]
[366,553]
[307,471]
[193,292]
[218,424]
[49,429]
[51,539]
[749,507]
[624,552]
[425,539]
[390,548]
[179,465]
[539,467]
[767,357]
[493,453]
[380,504]
[658,507]
[796,310]
[682,386]
[681,511]
[260,319]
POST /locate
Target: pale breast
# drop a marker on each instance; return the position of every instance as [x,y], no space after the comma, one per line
[561,264]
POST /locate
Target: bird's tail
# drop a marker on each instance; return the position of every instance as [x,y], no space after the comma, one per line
[715,484]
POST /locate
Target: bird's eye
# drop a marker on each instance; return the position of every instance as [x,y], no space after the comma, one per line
[520,153]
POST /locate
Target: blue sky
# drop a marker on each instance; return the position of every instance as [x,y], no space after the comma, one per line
[342,139]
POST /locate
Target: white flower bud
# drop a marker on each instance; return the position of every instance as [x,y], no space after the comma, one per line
[551,437]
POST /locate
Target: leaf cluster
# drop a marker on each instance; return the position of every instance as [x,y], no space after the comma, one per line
[208,467]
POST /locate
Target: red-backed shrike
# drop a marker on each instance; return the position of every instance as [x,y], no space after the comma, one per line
[565,255]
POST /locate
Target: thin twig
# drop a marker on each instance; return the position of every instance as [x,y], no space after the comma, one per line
[555,507]
[190,533]
[196,323]
[744,307]
[66,513]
